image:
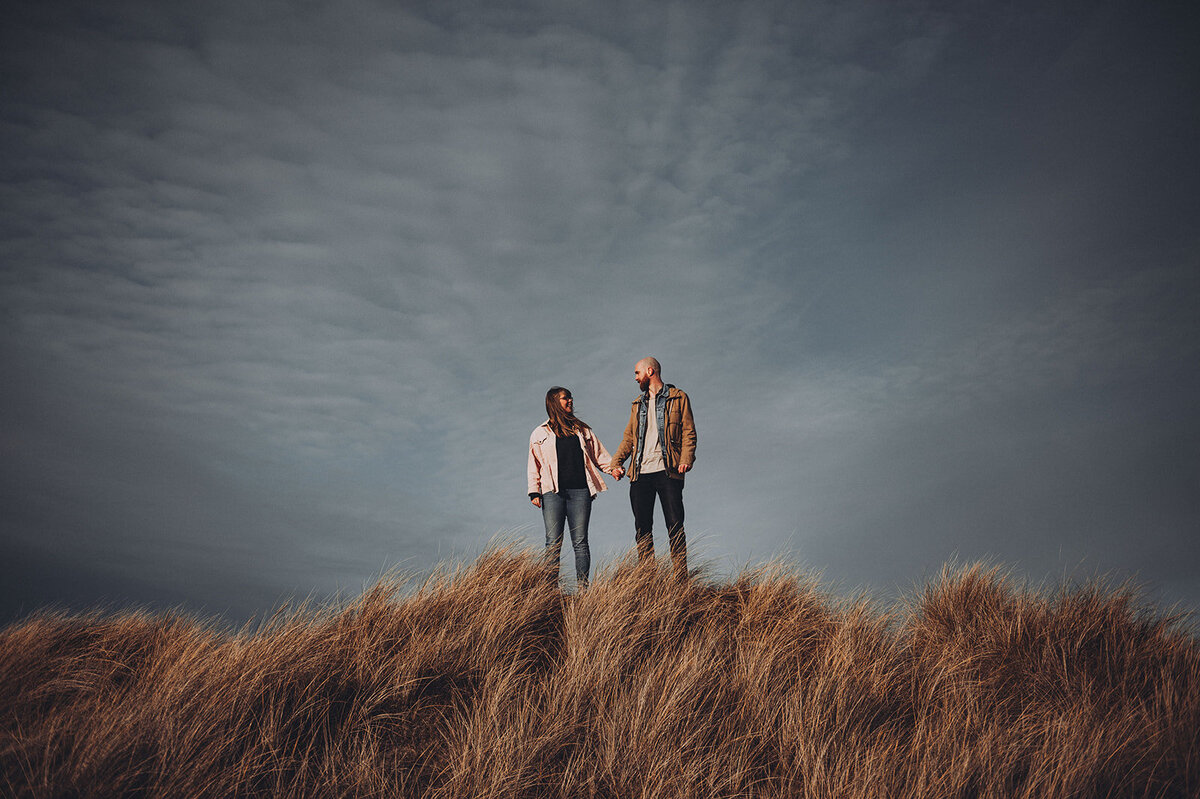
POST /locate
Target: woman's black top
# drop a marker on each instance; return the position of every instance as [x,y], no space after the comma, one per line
[570,462]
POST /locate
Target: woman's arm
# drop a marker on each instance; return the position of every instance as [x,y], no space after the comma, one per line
[596,452]
[533,472]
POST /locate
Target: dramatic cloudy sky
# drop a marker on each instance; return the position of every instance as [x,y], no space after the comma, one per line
[283,284]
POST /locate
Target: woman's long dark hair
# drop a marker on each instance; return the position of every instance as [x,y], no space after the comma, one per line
[562,423]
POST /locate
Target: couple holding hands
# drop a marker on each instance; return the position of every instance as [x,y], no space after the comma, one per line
[566,459]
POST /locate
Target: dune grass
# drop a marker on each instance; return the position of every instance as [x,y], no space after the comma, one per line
[488,681]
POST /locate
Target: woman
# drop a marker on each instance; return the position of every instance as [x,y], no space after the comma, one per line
[565,462]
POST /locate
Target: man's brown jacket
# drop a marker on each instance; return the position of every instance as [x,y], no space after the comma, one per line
[678,433]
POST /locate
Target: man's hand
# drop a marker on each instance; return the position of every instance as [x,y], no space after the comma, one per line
[684,467]
[537,501]
[618,472]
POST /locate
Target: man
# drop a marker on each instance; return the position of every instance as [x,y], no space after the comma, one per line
[661,436]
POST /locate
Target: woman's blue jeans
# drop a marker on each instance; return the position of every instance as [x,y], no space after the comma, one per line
[573,507]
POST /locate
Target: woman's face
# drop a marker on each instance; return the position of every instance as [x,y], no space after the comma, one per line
[566,402]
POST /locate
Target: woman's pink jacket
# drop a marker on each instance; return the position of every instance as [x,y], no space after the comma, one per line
[543,460]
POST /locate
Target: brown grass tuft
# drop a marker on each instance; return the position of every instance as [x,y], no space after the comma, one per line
[487,681]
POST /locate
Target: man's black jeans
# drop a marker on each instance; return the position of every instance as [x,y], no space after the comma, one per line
[670,495]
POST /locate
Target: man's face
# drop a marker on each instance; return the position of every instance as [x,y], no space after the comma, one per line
[642,375]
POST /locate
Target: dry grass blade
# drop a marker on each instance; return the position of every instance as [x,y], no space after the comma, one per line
[488,681]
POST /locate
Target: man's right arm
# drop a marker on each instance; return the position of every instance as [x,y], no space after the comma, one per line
[627,441]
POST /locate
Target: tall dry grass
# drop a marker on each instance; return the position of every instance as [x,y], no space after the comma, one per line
[488,681]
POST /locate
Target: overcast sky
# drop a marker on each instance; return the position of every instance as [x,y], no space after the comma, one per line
[283,285]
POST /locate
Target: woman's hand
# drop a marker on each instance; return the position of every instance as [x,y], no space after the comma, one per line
[537,501]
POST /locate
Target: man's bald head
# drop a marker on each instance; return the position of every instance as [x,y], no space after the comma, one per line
[647,374]
[650,362]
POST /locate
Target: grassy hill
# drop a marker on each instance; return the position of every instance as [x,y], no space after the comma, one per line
[488,681]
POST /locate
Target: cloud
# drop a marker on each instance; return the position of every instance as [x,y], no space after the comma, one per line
[304,271]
